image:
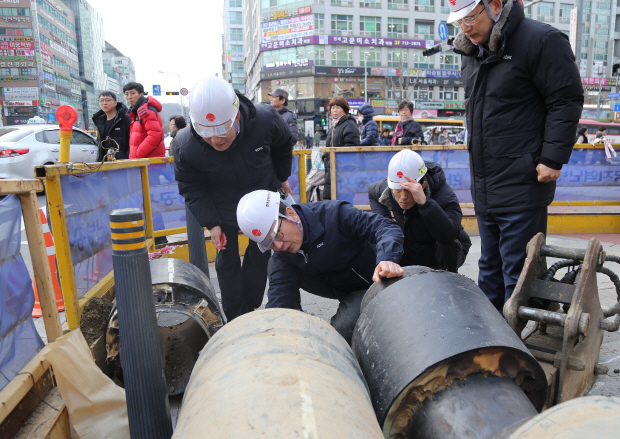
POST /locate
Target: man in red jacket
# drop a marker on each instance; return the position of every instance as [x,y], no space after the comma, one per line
[146,137]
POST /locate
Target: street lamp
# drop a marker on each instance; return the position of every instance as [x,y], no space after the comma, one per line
[366,74]
[182,101]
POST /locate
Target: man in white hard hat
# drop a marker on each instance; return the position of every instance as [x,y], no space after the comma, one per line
[329,248]
[417,195]
[232,148]
[524,100]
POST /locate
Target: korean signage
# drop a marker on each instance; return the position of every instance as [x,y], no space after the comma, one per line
[19,103]
[294,27]
[287,73]
[293,12]
[573,29]
[432,81]
[350,41]
[9,64]
[10,38]
[18,52]
[20,93]
[430,105]
[355,103]
[303,62]
[586,80]
[12,45]
[11,19]
[454,105]
[18,78]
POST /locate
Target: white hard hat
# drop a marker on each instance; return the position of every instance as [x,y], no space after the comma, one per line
[257,216]
[408,163]
[213,106]
[460,8]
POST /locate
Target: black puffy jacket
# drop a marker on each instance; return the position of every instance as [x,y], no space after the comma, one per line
[369,135]
[342,246]
[344,133]
[412,132]
[213,182]
[290,119]
[523,102]
[437,220]
[119,132]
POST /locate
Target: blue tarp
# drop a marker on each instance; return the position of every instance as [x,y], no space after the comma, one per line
[19,341]
[167,205]
[587,176]
[88,201]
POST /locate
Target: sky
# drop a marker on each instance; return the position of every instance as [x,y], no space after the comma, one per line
[178,36]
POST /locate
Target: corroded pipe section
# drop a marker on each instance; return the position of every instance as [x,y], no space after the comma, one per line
[423,333]
[277,373]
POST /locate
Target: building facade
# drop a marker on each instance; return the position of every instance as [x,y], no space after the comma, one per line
[232,44]
[91,45]
[119,68]
[367,50]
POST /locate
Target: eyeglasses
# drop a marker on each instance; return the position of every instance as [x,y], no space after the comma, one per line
[280,235]
[467,21]
[105,101]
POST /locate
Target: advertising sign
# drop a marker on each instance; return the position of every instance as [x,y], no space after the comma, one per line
[340,71]
[287,28]
[293,12]
[442,82]
[287,73]
[20,93]
[587,80]
[350,41]
[573,29]
[430,105]
[19,103]
[303,62]
[11,45]
[455,105]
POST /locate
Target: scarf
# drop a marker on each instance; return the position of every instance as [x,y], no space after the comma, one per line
[398,131]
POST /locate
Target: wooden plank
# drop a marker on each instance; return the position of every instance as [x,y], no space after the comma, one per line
[11,186]
[41,266]
[61,428]
[56,210]
[18,387]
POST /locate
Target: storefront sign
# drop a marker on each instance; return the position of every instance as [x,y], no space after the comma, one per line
[10,38]
[287,73]
[595,89]
[431,105]
[18,78]
[9,64]
[442,82]
[586,80]
[350,41]
[19,103]
[455,105]
[17,120]
[293,12]
[378,103]
[287,64]
[340,71]
[355,103]
[20,93]
[8,45]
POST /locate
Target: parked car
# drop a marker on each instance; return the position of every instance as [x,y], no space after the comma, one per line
[455,133]
[26,146]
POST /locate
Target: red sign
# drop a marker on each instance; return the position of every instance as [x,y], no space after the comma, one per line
[7,45]
[19,103]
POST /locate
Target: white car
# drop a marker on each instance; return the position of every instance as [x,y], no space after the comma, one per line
[26,146]
[455,133]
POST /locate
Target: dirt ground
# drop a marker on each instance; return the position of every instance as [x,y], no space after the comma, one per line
[95,318]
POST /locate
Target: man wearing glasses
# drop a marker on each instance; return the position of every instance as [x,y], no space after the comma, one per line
[330,249]
[113,123]
[524,99]
[232,147]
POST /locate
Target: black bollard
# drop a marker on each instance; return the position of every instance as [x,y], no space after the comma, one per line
[196,242]
[142,362]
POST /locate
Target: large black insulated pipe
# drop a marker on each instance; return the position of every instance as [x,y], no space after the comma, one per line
[420,341]
[196,242]
[145,386]
[277,373]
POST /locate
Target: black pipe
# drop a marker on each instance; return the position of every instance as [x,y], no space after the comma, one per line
[455,412]
[143,369]
[435,327]
[196,242]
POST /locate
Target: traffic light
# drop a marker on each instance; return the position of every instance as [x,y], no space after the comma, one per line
[172,93]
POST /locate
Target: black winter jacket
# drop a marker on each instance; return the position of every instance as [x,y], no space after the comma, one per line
[523,103]
[342,246]
[119,131]
[412,131]
[291,121]
[370,133]
[345,133]
[213,182]
[437,220]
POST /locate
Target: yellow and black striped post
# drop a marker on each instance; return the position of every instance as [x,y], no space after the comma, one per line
[141,355]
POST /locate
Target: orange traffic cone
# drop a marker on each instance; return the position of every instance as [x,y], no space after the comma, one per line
[51,257]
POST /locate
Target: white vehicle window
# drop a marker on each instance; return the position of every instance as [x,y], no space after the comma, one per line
[52,136]
[81,139]
[40,137]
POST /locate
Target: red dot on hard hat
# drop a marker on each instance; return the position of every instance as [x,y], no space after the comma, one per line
[210,117]
[256,232]
[400,174]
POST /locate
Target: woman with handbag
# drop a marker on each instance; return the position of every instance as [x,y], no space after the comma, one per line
[344,132]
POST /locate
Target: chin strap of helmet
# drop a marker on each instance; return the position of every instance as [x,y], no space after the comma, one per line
[487,7]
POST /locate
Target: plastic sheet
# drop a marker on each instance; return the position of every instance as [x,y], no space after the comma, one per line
[167,205]
[293,180]
[589,175]
[88,200]
[19,341]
